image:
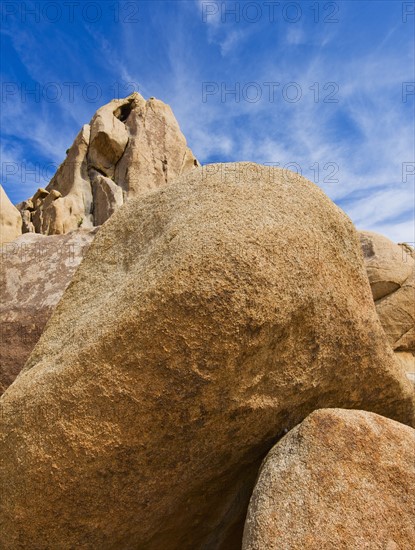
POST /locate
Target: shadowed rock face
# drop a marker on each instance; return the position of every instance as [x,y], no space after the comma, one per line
[391,271]
[10,219]
[34,272]
[341,479]
[130,147]
[206,319]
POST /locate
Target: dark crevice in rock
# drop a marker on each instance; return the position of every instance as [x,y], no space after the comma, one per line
[383,298]
[91,174]
[123,112]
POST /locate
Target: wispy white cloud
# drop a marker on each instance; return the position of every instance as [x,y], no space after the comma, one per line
[20,175]
[218,18]
[369,95]
[368,134]
[295,36]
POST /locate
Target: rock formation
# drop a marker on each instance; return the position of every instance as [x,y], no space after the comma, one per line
[130,147]
[341,479]
[34,272]
[391,271]
[10,219]
[206,320]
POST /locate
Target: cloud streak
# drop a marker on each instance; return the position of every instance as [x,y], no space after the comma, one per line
[350,113]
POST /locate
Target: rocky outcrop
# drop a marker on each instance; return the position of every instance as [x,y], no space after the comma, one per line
[130,147]
[388,266]
[156,153]
[109,138]
[341,479]
[34,272]
[10,220]
[391,271]
[108,197]
[206,320]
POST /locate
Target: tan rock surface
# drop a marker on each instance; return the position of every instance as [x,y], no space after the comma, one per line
[341,479]
[136,143]
[157,152]
[109,138]
[388,267]
[207,318]
[391,271]
[10,219]
[108,197]
[69,205]
[408,361]
[34,272]
[26,208]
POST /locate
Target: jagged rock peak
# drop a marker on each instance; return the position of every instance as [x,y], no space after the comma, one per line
[130,147]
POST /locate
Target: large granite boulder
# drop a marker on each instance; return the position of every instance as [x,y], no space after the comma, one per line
[10,219]
[207,319]
[341,479]
[130,147]
[391,271]
[34,272]
[388,265]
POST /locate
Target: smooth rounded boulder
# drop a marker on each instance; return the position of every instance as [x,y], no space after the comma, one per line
[10,219]
[388,265]
[391,272]
[207,318]
[341,479]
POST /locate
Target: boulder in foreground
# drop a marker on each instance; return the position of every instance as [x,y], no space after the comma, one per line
[205,320]
[341,479]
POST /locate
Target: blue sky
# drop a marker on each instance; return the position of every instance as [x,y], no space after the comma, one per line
[323,87]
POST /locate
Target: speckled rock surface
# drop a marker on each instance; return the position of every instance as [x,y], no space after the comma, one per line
[207,318]
[341,479]
[391,271]
[156,153]
[34,272]
[388,265]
